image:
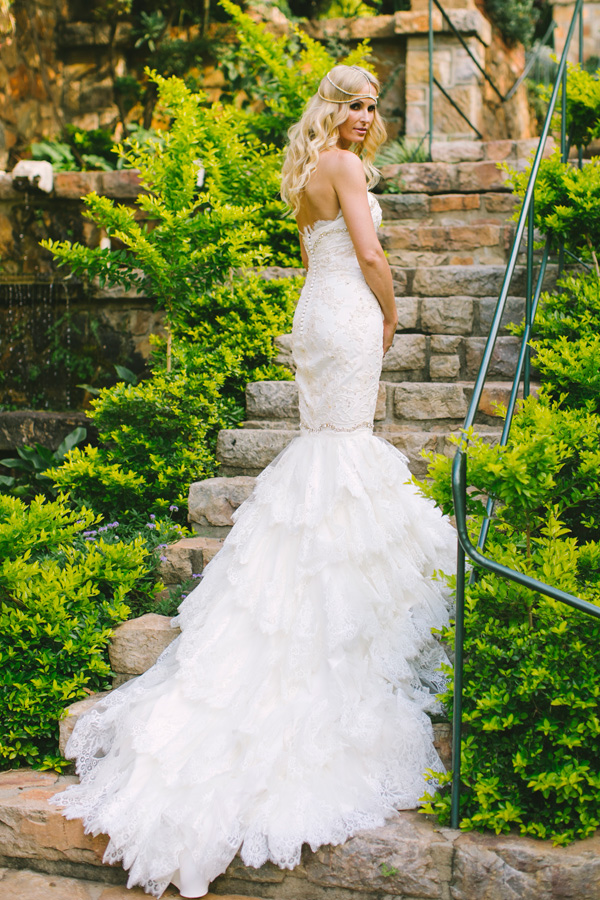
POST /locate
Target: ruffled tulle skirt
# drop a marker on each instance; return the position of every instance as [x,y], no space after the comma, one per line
[293,706]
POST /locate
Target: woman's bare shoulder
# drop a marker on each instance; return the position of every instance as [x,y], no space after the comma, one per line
[335,160]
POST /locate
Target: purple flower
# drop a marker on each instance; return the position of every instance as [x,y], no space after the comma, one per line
[113,525]
[161,546]
[173,509]
[103,528]
[152,516]
[150,525]
[163,558]
[200,575]
[88,533]
[90,538]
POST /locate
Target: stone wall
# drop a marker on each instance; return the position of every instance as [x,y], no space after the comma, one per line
[562,13]
[57,333]
[56,69]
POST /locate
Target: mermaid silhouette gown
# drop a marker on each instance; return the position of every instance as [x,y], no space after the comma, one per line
[293,706]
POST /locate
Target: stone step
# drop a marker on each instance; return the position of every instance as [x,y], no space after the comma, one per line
[436,357]
[497,151]
[247,451]
[408,858]
[466,281]
[436,245]
[488,208]
[465,167]
[273,404]
[460,315]
[26,884]
[447,177]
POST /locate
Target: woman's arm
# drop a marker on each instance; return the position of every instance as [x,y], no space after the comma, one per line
[303,253]
[348,180]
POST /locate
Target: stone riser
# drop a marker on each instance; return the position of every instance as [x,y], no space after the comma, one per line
[249,451]
[446,210]
[423,245]
[440,358]
[412,857]
[427,406]
[464,281]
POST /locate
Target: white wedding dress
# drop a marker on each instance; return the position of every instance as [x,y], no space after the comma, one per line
[293,706]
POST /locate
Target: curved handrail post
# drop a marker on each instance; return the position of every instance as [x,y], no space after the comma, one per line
[430,99]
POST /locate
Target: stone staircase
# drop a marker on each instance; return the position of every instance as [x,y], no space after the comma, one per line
[447,235]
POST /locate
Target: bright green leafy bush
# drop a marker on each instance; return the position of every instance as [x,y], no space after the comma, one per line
[65,581]
[567,203]
[156,438]
[531,699]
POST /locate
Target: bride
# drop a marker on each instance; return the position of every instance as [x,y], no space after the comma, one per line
[293,706]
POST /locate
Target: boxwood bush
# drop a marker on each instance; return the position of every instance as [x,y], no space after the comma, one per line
[532,668]
[65,581]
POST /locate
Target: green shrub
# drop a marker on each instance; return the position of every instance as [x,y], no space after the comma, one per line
[64,583]
[567,200]
[516,19]
[281,73]
[567,345]
[531,698]
[32,465]
[532,692]
[156,438]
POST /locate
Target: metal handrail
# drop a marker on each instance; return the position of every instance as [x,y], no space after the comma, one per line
[503,97]
[459,467]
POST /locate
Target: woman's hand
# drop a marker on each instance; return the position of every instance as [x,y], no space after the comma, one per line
[389,330]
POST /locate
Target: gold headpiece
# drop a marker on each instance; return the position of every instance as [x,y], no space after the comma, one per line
[351,96]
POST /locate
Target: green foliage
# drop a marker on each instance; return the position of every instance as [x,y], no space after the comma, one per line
[516,19]
[401,151]
[155,440]
[78,149]
[280,72]
[583,106]
[530,750]
[33,463]
[60,596]
[567,203]
[531,699]
[567,346]
[193,250]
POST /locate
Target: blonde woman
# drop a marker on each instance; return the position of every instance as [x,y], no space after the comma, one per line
[293,707]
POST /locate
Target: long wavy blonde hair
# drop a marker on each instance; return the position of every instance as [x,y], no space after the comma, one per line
[318,130]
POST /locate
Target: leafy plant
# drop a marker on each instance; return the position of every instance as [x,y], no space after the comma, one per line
[33,464]
[78,149]
[155,439]
[566,203]
[60,596]
[532,670]
[401,151]
[516,19]
[280,72]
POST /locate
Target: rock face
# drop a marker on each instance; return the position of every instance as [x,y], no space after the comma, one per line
[212,501]
[24,884]
[137,644]
[411,858]
[187,558]
[30,426]
[73,712]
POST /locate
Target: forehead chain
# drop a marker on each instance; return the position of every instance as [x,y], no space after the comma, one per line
[351,94]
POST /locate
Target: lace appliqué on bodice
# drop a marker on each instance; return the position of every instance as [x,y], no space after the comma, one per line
[337,335]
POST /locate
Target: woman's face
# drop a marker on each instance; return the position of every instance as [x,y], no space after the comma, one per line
[360,117]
